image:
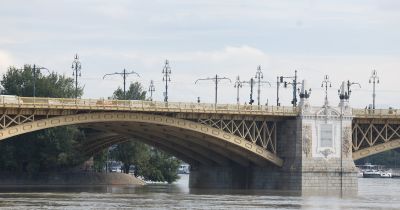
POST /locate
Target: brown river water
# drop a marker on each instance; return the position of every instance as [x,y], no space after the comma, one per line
[372,194]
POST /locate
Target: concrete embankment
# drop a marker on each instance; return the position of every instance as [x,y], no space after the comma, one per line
[69,178]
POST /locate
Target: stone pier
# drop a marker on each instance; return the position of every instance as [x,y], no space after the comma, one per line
[317,151]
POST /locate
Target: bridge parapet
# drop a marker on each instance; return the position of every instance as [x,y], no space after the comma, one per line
[142,106]
[377,113]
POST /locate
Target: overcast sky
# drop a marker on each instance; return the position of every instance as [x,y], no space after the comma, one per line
[343,39]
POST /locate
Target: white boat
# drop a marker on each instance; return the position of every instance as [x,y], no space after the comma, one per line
[371,173]
[374,171]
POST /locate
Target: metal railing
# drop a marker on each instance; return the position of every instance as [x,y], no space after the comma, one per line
[139,105]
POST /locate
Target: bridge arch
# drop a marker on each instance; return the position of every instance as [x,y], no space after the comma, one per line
[135,125]
[362,153]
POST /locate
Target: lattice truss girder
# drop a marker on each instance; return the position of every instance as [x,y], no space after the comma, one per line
[11,120]
[371,134]
[262,133]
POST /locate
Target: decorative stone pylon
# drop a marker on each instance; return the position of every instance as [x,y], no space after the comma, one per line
[326,160]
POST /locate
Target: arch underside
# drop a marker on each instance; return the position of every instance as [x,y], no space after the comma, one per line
[362,153]
[190,141]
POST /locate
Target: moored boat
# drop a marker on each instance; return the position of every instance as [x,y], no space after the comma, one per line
[374,171]
[372,174]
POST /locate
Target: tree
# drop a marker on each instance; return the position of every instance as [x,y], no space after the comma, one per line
[161,167]
[44,150]
[131,153]
[20,82]
[99,160]
[150,163]
[134,92]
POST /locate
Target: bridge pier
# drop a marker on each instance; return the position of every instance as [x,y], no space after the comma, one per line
[317,151]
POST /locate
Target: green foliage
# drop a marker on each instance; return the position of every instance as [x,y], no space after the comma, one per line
[149,163]
[44,150]
[134,92]
[131,153]
[160,167]
[20,83]
[99,160]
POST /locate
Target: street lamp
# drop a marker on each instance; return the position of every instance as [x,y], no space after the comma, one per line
[238,85]
[259,76]
[37,68]
[76,71]
[346,96]
[326,83]
[374,79]
[166,78]
[151,89]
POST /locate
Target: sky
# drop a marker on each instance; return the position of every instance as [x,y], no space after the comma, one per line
[345,39]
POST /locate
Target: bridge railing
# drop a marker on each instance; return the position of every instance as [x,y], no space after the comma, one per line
[140,105]
[377,113]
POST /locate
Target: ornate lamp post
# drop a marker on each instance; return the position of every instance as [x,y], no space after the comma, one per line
[374,79]
[76,71]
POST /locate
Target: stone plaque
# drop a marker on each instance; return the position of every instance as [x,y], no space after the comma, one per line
[326,131]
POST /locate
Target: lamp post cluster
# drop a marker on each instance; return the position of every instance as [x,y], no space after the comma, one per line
[259,76]
[259,80]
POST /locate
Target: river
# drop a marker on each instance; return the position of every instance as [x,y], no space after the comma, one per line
[372,194]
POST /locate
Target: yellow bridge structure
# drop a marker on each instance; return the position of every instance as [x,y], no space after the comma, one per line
[200,134]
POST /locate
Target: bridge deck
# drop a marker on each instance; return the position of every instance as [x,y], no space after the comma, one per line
[141,106]
[10,102]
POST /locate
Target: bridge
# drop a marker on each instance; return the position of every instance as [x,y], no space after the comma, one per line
[305,148]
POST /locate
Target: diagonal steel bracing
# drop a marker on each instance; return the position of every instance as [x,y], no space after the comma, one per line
[372,137]
[260,132]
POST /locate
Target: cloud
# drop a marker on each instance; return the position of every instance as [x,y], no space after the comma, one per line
[112,10]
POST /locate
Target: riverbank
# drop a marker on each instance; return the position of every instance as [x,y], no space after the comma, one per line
[69,179]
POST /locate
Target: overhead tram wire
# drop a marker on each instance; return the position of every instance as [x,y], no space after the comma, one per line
[216,80]
[124,75]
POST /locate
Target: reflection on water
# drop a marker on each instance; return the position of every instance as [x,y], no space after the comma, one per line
[373,194]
